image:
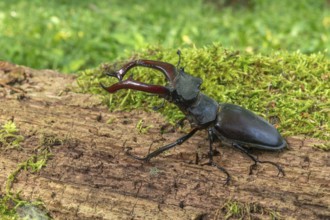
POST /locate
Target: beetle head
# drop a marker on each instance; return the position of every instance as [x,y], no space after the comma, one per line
[182,88]
[185,87]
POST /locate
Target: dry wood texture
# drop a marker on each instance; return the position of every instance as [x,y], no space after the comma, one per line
[90,177]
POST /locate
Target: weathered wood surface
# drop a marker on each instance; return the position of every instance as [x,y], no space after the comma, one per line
[90,177]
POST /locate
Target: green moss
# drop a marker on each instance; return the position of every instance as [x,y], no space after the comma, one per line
[5,212]
[154,171]
[11,203]
[239,210]
[234,209]
[142,128]
[49,140]
[9,136]
[12,206]
[291,90]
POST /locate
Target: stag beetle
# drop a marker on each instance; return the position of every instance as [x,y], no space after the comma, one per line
[229,123]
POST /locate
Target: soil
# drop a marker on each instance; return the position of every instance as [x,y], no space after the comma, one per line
[89,176]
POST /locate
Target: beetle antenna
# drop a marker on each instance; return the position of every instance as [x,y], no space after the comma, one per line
[179,54]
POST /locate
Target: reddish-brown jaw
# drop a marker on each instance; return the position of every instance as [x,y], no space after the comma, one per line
[132,84]
[167,69]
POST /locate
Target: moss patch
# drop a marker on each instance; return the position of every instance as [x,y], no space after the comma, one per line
[11,205]
[239,210]
[9,136]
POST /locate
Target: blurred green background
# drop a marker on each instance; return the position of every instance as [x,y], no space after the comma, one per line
[74,35]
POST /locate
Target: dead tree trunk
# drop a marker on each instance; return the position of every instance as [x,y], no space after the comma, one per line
[90,177]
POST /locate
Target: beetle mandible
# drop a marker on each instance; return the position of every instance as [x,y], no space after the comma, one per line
[230,124]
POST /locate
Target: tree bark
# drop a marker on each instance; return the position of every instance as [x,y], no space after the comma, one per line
[89,176]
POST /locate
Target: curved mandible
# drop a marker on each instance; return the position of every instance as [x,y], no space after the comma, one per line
[136,85]
[166,68]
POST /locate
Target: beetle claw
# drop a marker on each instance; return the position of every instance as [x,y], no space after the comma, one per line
[145,159]
[115,74]
[112,74]
[103,86]
[253,167]
[228,178]
[279,168]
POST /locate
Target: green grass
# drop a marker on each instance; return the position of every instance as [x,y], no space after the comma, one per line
[289,89]
[76,35]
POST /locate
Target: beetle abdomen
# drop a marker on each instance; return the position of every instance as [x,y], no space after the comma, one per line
[239,125]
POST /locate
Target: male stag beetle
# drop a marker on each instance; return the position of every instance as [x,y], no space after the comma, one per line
[229,123]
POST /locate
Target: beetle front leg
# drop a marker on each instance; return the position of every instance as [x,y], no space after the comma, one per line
[256,160]
[166,147]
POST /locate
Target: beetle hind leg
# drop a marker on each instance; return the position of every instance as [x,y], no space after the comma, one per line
[256,160]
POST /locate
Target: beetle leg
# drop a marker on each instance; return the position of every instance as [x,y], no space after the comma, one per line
[166,147]
[157,107]
[256,160]
[169,127]
[180,122]
[211,162]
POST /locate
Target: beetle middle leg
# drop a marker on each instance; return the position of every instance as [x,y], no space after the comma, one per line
[211,162]
[166,147]
[256,160]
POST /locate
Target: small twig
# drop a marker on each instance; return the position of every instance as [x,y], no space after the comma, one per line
[19,90]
